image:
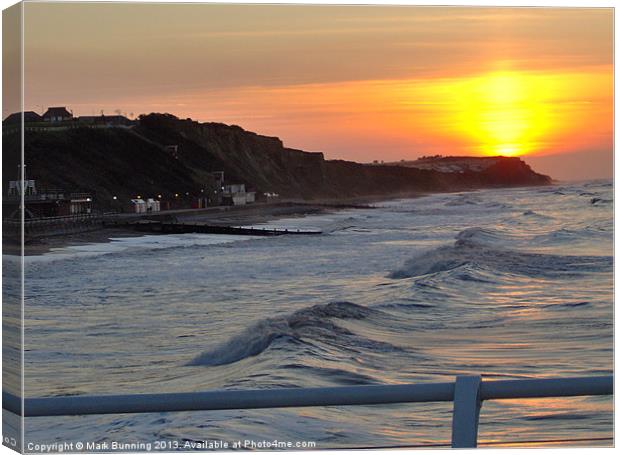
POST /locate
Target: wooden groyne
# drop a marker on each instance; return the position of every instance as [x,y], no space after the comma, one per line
[175,227]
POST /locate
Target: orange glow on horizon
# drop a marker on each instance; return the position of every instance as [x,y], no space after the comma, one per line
[514,113]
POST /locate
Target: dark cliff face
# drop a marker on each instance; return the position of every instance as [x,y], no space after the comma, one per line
[260,161]
[128,162]
[513,171]
[108,162]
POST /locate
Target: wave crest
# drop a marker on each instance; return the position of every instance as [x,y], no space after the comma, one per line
[482,249]
[312,322]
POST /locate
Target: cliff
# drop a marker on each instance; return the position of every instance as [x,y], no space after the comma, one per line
[499,170]
[125,162]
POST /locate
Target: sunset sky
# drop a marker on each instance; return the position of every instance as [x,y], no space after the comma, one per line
[359,83]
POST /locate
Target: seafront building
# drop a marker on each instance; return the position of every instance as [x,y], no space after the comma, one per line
[45,203]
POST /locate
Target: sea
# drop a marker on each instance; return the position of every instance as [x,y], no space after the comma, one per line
[506,283]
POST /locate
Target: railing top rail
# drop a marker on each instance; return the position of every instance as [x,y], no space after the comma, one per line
[302,397]
[542,388]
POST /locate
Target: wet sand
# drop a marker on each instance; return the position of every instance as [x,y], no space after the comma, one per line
[42,245]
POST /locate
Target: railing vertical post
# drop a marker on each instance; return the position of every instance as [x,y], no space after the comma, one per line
[466,412]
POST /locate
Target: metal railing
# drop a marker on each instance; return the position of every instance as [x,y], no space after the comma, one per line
[467,393]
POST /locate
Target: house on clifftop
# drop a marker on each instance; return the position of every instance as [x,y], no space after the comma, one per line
[104,120]
[57,114]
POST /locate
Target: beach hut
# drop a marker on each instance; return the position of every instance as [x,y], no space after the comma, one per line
[152,205]
[138,205]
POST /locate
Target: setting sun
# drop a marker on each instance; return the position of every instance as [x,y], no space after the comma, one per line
[514,113]
[503,112]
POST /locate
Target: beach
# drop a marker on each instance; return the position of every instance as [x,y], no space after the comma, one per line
[246,215]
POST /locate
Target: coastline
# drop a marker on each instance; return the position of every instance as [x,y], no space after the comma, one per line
[241,215]
[245,215]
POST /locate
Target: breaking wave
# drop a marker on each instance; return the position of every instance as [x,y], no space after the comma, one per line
[308,323]
[482,249]
[600,201]
[533,214]
[464,199]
